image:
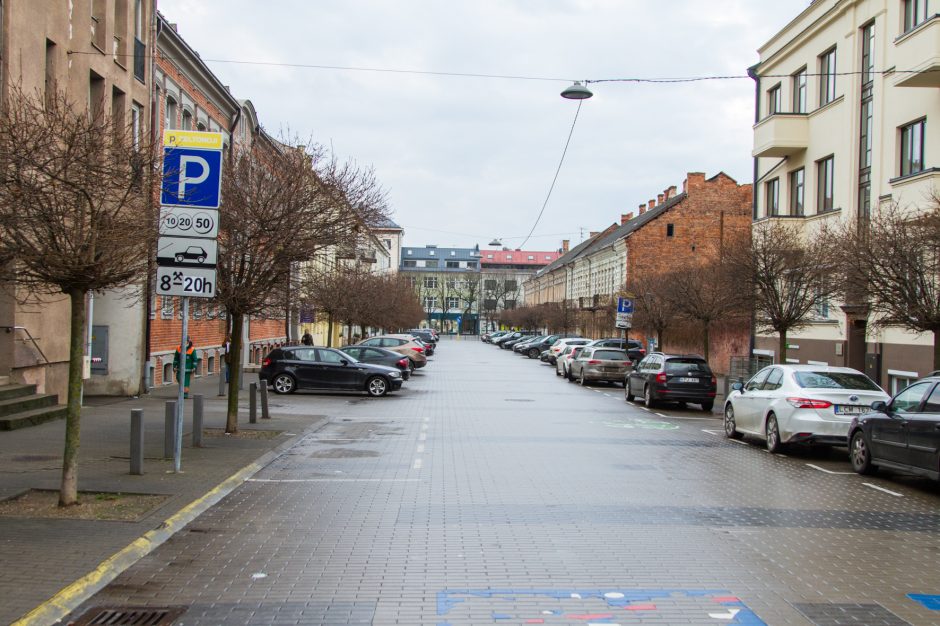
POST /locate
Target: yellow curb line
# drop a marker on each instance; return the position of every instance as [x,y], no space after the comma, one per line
[73,595]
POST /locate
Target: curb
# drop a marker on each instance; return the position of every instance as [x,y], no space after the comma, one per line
[72,596]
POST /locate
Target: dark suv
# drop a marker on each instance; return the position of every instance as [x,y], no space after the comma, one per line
[672,377]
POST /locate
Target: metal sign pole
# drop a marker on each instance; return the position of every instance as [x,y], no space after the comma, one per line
[181,373]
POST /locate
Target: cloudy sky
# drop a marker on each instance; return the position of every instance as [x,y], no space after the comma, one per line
[469,159]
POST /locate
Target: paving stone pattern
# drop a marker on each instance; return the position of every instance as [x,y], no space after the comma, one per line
[446,505]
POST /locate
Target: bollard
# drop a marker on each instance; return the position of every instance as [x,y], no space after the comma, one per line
[169,430]
[197,420]
[137,442]
[264,401]
[253,403]
[222,371]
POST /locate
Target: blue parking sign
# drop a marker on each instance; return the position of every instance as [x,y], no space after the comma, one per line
[191,177]
[624,305]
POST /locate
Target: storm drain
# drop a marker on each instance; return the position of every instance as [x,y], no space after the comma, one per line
[129,616]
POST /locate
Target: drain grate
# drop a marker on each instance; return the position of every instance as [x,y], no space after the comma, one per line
[129,616]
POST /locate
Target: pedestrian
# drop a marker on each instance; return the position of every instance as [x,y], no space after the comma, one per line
[307,339]
[188,367]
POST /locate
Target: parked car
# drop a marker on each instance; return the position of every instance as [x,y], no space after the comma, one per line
[599,364]
[380,356]
[634,347]
[429,348]
[513,336]
[492,336]
[402,344]
[800,403]
[535,348]
[562,361]
[901,434]
[560,345]
[303,367]
[523,343]
[673,377]
[426,335]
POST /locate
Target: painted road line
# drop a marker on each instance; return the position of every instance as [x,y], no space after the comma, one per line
[608,395]
[743,443]
[423,437]
[661,415]
[822,469]
[887,491]
[713,432]
[417,464]
[333,480]
[683,417]
[420,448]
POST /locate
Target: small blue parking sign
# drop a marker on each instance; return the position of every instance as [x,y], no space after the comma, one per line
[624,305]
[191,177]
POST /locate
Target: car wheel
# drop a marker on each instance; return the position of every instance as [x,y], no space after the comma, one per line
[411,366]
[557,373]
[581,380]
[534,353]
[773,434]
[731,427]
[708,406]
[860,454]
[627,394]
[284,383]
[648,400]
[682,405]
[377,386]
[569,376]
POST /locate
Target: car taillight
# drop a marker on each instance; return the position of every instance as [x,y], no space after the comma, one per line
[593,362]
[403,362]
[417,349]
[807,403]
[627,363]
[714,380]
[266,362]
[661,377]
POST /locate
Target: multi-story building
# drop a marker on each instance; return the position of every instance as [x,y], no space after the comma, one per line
[447,281]
[98,53]
[391,235]
[503,274]
[844,94]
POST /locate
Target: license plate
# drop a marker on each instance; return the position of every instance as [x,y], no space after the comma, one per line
[688,380]
[851,409]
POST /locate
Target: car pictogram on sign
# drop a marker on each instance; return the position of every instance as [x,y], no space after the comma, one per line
[192,253]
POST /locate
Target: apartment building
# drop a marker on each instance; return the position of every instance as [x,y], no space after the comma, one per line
[845,95]
[97,52]
[447,281]
[503,274]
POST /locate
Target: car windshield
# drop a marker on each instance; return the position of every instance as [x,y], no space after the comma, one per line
[681,367]
[346,355]
[610,355]
[835,380]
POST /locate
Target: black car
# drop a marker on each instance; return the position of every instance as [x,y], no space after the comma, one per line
[634,347]
[303,367]
[672,377]
[424,335]
[523,343]
[506,342]
[903,434]
[535,349]
[380,356]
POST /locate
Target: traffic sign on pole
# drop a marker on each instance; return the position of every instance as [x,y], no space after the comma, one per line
[177,221]
[194,282]
[187,252]
[191,177]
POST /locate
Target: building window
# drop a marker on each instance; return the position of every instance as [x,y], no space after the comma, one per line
[166,308]
[912,147]
[187,120]
[799,91]
[409,263]
[510,285]
[772,197]
[430,282]
[430,263]
[453,264]
[430,302]
[509,257]
[670,230]
[95,94]
[388,243]
[137,113]
[821,306]
[50,81]
[431,253]
[453,253]
[453,303]
[471,265]
[827,77]
[531,257]
[408,252]
[489,284]
[825,183]
[774,100]
[171,113]
[915,13]
[489,256]
[797,191]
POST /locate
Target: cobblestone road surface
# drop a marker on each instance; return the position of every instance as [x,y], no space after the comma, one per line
[488,491]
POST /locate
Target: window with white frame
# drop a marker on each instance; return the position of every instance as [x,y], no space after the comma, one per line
[166,308]
[430,302]
[453,303]
[430,282]
[171,112]
[912,147]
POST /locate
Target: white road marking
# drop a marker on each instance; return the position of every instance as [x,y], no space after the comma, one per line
[423,437]
[743,443]
[420,448]
[608,395]
[729,615]
[333,480]
[822,469]
[661,415]
[683,417]
[644,408]
[887,491]
[713,432]
[417,464]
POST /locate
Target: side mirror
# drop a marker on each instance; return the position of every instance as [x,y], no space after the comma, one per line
[880,406]
[344,362]
[737,386]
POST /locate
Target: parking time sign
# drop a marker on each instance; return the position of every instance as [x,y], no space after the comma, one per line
[191,177]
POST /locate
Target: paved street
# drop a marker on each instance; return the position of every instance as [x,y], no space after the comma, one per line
[489,491]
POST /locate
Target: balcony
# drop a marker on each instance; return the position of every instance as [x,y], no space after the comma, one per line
[917,56]
[781,135]
[916,189]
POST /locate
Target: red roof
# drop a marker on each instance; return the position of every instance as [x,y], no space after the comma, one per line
[517,257]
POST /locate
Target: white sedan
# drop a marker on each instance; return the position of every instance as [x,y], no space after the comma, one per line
[800,404]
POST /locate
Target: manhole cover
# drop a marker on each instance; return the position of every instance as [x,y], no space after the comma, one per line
[129,616]
[343,453]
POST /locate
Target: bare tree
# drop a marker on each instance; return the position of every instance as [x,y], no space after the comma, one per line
[789,275]
[894,259]
[468,292]
[76,216]
[653,311]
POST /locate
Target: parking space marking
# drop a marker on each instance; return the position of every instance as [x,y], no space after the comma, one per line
[822,469]
[887,491]
[743,443]
[713,432]
[661,415]
[685,417]
[423,437]
[333,480]
[420,448]
[418,464]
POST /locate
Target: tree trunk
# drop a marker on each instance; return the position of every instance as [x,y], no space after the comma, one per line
[68,493]
[783,346]
[705,340]
[660,333]
[936,349]
[329,331]
[235,368]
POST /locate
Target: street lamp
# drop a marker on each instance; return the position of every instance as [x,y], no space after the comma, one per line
[577,91]
[496,242]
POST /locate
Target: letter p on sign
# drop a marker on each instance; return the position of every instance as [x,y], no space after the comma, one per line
[191,177]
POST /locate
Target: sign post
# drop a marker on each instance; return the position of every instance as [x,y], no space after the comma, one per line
[187,251]
[624,319]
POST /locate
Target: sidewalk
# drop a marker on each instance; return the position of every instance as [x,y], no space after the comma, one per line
[42,556]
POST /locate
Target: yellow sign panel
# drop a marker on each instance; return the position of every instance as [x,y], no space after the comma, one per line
[192,139]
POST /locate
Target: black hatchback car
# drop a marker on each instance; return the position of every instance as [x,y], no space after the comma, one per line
[380,356]
[672,377]
[903,434]
[302,367]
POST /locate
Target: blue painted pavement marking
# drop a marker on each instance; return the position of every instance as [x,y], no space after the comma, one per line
[928,601]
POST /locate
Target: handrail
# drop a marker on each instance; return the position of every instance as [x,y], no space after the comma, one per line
[10,329]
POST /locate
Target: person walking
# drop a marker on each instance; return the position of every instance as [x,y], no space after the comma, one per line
[307,339]
[188,367]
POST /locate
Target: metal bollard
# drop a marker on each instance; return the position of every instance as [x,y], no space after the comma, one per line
[197,420]
[264,401]
[253,403]
[169,430]
[137,442]
[222,371]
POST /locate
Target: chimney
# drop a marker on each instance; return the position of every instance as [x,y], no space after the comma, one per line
[651,204]
[642,209]
[670,192]
[693,179]
[626,217]
[659,199]
[564,245]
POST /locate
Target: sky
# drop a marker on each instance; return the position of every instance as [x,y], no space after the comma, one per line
[467,160]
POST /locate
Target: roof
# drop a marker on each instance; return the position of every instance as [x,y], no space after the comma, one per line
[386,223]
[433,252]
[518,257]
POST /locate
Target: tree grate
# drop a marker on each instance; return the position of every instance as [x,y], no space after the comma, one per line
[129,616]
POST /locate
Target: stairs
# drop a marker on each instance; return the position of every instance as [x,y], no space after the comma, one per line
[21,406]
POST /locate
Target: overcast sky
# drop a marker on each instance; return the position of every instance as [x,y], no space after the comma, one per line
[466,160]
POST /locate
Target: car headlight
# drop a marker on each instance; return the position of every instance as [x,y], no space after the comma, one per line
[395,374]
